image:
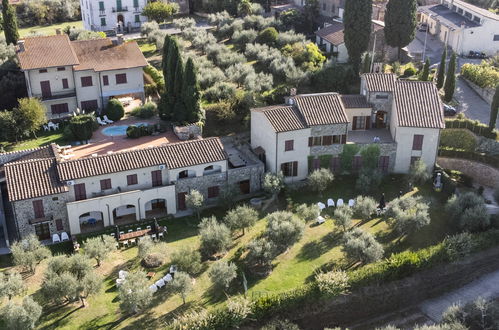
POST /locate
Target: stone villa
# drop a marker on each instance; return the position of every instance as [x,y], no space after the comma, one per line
[84,74]
[310,131]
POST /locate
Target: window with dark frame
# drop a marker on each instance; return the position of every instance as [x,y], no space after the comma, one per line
[65,84]
[384,162]
[59,108]
[61,68]
[213,192]
[335,164]
[414,159]
[42,71]
[86,81]
[327,140]
[417,142]
[105,80]
[121,78]
[38,209]
[80,192]
[58,224]
[42,231]
[105,184]
[289,169]
[131,179]
[157,179]
[289,145]
[496,37]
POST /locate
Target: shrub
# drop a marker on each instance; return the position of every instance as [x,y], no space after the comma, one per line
[459,246]
[241,218]
[267,36]
[134,132]
[145,111]
[280,325]
[153,260]
[215,237]
[181,285]
[473,125]
[458,138]
[220,91]
[483,75]
[222,110]
[365,207]
[342,217]
[408,214]
[241,38]
[284,229]
[289,37]
[114,110]
[157,77]
[81,127]
[368,180]
[320,179]
[409,71]
[308,212]
[361,246]
[469,211]
[333,283]
[261,251]
[222,274]
[187,260]
[418,173]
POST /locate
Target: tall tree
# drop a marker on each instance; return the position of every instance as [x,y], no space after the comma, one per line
[191,95]
[9,23]
[450,79]
[400,23]
[357,22]
[441,69]
[310,12]
[494,109]
[159,11]
[30,115]
[425,75]
[170,60]
[179,110]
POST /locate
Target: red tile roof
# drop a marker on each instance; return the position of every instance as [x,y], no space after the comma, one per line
[321,109]
[355,101]
[283,118]
[332,33]
[46,51]
[380,82]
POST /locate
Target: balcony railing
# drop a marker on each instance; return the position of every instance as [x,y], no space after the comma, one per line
[57,95]
[102,12]
[120,9]
[46,218]
[137,9]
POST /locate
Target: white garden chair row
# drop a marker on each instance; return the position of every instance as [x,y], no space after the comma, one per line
[330,203]
[104,121]
[51,126]
[161,283]
[64,237]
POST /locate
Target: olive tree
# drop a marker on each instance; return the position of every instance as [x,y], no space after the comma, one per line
[241,218]
[98,248]
[284,229]
[134,293]
[222,274]
[21,316]
[319,180]
[333,282]
[273,183]
[469,211]
[144,247]
[187,259]
[342,217]
[181,285]
[408,214]
[261,252]
[362,246]
[215,237]
[11,285]
[365,207]
[418,173]
[308,212]
[29,252]
[195,201]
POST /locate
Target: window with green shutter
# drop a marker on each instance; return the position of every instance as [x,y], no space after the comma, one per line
[137,18]
[118,5]
[136,3]
[101,5]
[103,21]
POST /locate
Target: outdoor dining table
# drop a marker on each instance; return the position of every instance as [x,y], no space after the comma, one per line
[135,234]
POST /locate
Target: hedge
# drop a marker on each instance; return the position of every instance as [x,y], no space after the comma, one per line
[474,126]
[458,138]
[484,74]
[395,267]
[471,155]
[157,77]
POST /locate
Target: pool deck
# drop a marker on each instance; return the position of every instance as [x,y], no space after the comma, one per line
[102,144]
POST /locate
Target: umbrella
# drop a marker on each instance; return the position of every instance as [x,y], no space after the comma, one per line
[156,225]
[382,203]
[117,232]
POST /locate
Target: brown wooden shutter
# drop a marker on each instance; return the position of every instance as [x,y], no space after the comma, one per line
[295,168]
[38,209]
[354,123]
[80,191]
[58,224]
[417,142]
[310,141]
[343,139]
[368,122]
[327,140]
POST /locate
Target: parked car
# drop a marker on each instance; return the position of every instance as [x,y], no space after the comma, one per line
[474,54]
[449,110]
[423,27]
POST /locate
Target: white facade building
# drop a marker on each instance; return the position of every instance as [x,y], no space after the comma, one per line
[462,26]
[67,75]
[112,15]
[310,131]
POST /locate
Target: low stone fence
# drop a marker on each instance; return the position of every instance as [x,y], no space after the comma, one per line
[487,94]
[482,174]
[189,132]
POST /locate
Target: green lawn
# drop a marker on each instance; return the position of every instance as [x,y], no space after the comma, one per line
[49,29]
[43,139]
[320,248]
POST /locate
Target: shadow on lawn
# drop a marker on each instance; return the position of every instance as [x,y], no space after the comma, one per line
[314,249]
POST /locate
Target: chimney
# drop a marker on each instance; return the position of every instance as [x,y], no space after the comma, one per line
[292,92]
[20,45]
[58,32]
[119,39]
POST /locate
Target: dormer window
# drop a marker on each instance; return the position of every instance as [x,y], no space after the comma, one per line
[381,96]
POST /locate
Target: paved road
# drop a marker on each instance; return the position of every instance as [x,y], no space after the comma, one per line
[486,287]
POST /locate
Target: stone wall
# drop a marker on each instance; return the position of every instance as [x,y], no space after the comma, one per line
[482,174]
[253,173]
[54,207]
[188,132]
[487,94]
[202,183]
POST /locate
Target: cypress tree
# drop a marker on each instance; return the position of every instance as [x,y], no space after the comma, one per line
[400,23]
[179,110]
[494,109]
[170,61]
[450,79]
[425,75]
[191,95]
[366,65]
[357,22]
[441,69]
[9,23]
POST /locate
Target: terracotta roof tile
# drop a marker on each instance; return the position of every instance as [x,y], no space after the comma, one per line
[332,33]
[355,101]
[46,51]
[380,82]
[418,105]
[175,155]
[321,109]
[103,55]
[283,118]
[33,178]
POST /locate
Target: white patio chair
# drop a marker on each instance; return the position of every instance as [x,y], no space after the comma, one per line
[167,278]
[64,236]
[351,202]
[125,244]
[56,238]
[122,232]
[56,126]
[339,202]
[153,236]
[51,125]
[46,128]
[113,234]
[122,274]
[160,283]
[320,220]
[321,206]
[148,227]
[130,230]
[330,202]
[119,282]
[153,288]
[160,235]
[107,120]
[139,228]
[101,122]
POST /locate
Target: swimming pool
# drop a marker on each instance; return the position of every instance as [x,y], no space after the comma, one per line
[119,130]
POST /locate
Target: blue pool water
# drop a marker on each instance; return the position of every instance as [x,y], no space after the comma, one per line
[119,130]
